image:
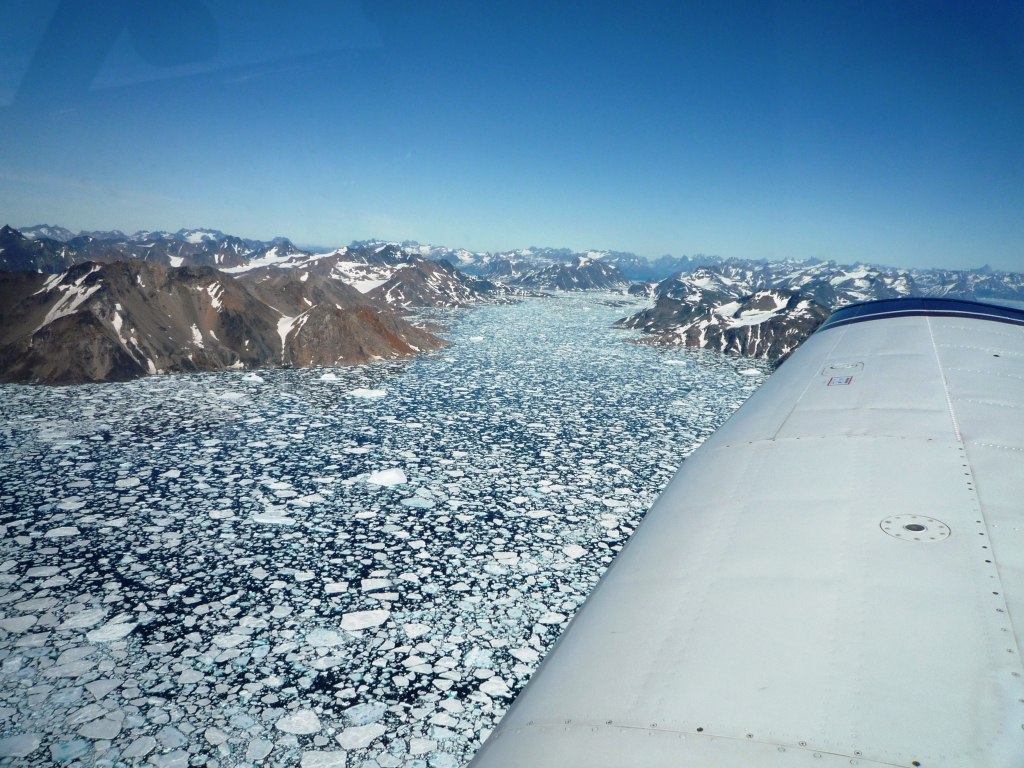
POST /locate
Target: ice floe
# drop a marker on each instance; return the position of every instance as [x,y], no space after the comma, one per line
[387,477]
[368,394]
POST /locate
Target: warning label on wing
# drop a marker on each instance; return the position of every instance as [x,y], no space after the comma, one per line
[839,381]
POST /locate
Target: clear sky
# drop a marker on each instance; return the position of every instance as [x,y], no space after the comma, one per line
[890,132]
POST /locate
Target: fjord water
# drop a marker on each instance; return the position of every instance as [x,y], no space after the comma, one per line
[329,565]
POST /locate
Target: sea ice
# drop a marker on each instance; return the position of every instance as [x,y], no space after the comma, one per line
[258,749]
[303,721]
[368,394]
[546,439]
[110,632]
[21,745]
[317,759]
[362,714]
[87,618]
[141,747]
[575,551]
[360,736]
[412,631]
[17,624]
[103,728]
[387,477]
[364,619]
[324,638]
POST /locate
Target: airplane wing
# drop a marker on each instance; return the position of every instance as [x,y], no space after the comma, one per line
[835,578]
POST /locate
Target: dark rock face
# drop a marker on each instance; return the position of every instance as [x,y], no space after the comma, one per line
[767,324]
[508,270]
[20,254]
[582,274]
[129,319]
[648,289]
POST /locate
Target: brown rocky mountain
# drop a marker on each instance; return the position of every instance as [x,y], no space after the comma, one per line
[119,321]
[767,324]
[325,321]
[386,274]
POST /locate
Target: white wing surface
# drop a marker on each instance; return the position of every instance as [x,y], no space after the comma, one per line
[835,578]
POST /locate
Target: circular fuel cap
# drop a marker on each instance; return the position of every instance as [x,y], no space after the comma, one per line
[915,528]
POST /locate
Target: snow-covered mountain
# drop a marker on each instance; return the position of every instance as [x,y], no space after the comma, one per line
[580,274]
[835,285]
[184,248]
[698,308]
[424,283]
[387,273]
[767,324]
[60,234]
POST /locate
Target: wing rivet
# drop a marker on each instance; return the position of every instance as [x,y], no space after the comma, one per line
[802,743]
[750,735]
[654,725]
[608,722]
[699,730]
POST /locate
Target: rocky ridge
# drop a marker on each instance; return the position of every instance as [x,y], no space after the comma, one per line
[54,249]
[581,274]
[768,324]
[120,321]
[388,275]
[423,283]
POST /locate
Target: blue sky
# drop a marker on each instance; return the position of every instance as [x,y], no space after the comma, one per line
[886,132]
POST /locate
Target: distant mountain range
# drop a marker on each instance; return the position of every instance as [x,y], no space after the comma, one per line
[756,308]
[368,265]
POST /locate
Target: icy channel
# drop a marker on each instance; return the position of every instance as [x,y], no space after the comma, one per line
[231,569]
